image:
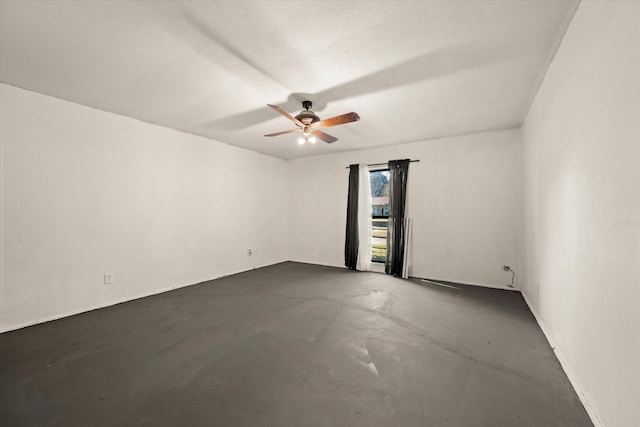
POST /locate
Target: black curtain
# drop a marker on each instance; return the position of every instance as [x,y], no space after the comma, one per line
[398,170]
[351,240]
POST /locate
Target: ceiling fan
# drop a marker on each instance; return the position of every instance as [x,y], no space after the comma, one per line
[308,123]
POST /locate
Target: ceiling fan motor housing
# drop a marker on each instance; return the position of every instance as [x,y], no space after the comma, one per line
[307,116]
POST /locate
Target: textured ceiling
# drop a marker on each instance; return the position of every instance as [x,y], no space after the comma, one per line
[412,70]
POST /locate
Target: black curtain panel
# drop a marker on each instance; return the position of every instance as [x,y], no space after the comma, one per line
[398,170]
[351,240]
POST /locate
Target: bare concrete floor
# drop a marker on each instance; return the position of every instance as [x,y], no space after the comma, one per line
[291,345]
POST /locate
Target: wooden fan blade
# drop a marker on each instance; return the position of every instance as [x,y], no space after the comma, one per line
[337,120]
[324,136]
[284,132]
[287,115]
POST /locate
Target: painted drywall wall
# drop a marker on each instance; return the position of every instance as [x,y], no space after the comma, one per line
[86,192]
[581,244]
[464,197]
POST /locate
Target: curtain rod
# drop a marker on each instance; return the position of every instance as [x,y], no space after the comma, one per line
[383,164]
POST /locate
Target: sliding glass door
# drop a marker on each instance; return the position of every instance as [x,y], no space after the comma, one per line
[379,213]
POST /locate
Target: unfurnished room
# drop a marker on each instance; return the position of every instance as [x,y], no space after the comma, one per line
[268,213]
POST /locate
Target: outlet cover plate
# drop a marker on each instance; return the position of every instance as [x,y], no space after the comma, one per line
[108,278]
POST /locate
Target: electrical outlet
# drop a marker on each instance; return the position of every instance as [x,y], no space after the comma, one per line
[506,268]
[249,252]
[108,278]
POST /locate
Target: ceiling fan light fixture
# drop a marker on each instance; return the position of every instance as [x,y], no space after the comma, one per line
[312,139]
[301,140]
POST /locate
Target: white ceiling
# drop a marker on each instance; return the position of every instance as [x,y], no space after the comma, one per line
[413,70]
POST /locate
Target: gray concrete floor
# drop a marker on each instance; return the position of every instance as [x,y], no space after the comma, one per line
[291,345]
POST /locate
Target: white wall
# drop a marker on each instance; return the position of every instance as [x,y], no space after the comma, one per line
[582,208]
[86,192]
[464,196]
